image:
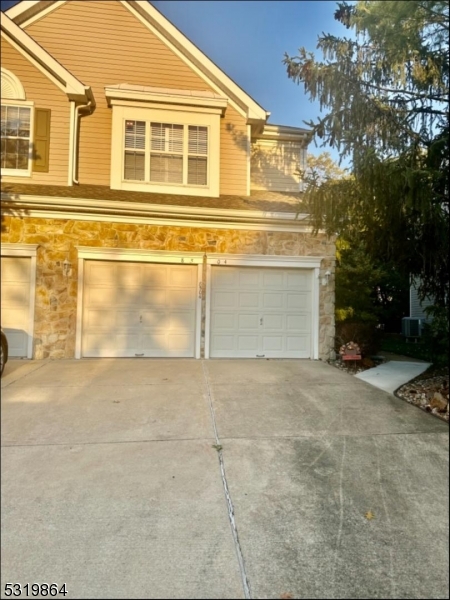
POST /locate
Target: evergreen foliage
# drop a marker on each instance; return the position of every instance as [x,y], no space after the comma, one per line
[385,95]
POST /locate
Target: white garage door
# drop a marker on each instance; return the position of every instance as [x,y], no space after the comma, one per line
[260,312]
[15,290]
[138,309]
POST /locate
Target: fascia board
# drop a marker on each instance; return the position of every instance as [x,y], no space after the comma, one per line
[20,8]
[194,56]
[191,54]
[42,59]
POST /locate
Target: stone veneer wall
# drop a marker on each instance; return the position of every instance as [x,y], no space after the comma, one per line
[56,294]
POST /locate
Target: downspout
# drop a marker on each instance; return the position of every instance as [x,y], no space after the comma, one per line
[89,108]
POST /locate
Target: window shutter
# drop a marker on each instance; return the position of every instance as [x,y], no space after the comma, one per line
[41,144]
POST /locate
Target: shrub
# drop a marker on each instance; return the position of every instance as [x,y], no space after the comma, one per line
[436,335]
[366,335]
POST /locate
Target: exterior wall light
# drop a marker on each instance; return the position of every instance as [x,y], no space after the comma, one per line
[326,278]
[67,268]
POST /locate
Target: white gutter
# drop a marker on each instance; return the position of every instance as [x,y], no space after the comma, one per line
[71,143]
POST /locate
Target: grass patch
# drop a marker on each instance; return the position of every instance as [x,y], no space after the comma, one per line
[397,344]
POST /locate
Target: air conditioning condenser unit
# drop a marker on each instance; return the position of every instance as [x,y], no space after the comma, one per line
[411,327]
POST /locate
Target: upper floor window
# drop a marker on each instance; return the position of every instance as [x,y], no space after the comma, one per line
[166,153]
[16,127]
[15,138]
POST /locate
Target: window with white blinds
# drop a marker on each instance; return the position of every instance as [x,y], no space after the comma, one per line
[166,153]
[15,138]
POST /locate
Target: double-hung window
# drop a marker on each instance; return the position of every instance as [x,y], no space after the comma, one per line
[15,139]
[166,150]
[166,153]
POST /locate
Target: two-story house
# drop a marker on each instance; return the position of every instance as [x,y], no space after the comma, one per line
[148,208]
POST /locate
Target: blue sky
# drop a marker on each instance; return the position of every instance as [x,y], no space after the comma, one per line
[247,39]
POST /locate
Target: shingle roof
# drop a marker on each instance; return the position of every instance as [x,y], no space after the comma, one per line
[258,200]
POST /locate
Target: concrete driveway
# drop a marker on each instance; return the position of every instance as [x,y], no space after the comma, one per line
[219,479]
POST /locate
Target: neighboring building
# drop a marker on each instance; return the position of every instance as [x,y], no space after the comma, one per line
[148,207]
[417,307]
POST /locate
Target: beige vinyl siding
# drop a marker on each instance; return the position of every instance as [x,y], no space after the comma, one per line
[103,44]
[233,153]
[275,165]
[45,94]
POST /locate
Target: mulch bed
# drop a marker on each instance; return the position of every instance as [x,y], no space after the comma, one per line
[429,390]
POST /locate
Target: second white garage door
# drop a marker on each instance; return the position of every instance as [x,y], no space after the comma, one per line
[138,309]
[260,312]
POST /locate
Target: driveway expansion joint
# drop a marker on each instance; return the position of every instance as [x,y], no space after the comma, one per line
[218,447]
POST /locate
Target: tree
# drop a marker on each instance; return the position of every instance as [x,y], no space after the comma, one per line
[367,289]
[385,93]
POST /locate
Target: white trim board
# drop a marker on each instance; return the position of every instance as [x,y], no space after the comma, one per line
[155,214]
[136,255]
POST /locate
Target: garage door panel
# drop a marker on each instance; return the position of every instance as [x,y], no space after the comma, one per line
[16,303]
[274,321]
[248,299]
[151,297]
[181,298]
[167,344]
[99,343]
[16,270]
[223,320]
[297,301]
[182,277]
[298,343]
[274,279]
[248,342]
[128,275]
[104,274]
[139,309]
[154,276]
[298,322]
[272,308]
[223,299]
[223,343]
[16,294]
[272,342]
[248,321]
[224,279]
[272,300]
[248,279]
[301,281]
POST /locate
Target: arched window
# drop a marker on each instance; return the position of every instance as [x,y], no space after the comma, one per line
[12,89]
[16,127]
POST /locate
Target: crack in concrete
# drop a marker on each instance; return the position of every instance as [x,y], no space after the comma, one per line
[237,545]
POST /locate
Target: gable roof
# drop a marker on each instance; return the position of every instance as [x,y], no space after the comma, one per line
[27,12]
[44,61]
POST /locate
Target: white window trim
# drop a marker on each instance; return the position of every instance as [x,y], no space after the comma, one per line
[183,116]
[132,255]
[22,172]
[311,263]
[26,251]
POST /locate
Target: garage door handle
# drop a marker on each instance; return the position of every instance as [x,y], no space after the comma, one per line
[139,354]
[261,321]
